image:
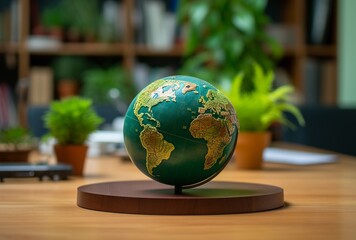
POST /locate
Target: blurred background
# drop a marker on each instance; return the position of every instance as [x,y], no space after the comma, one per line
[108,50]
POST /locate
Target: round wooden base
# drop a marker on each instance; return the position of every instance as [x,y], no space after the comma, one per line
[149,197]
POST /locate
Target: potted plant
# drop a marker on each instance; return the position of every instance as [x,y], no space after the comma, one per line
[70,121]
[81,18]
[257,110]
[224,37]
[68,74]
[15,144]
[52,20]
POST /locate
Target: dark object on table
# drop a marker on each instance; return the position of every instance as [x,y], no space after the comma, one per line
[330,128]
[25,170]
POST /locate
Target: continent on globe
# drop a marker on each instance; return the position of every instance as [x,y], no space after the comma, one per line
[215,132]
[157,148]
[180,130]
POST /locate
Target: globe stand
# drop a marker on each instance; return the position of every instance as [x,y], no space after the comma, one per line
[150,197]
[178,190]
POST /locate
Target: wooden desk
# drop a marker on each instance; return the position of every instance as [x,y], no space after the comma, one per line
[321,204]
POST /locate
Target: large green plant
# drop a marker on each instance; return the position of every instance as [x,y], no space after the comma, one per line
[225,37]
[70,121]
[258,109]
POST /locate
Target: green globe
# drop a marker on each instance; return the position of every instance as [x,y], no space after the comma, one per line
[180,131]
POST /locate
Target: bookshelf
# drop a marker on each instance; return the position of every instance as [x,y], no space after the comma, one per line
[310,59]
[290,21]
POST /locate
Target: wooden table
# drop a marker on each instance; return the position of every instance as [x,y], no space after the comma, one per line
[320,204]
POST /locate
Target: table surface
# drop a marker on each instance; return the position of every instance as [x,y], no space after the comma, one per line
[320,204]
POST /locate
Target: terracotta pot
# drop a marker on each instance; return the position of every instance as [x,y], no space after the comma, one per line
[249,149]
[14,156]
[67,88]
[56,33]
[73,155]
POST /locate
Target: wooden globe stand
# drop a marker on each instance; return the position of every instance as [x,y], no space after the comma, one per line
[149,197]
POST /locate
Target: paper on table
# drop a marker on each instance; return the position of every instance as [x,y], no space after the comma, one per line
[277,155]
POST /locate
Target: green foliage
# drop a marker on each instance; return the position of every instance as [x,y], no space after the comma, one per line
[225,37]
[71,120]
[81,15]
[258,109]
[98,82]
[52,17]
[69,68]
[16,138]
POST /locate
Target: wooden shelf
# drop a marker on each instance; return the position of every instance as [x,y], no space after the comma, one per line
[9,48]
[84,49]
[293,51]
[322,50]
[142,50]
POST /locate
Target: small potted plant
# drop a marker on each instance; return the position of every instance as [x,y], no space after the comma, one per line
[52,20]
[70,121]
[15,144]
[68,74]
[257,110]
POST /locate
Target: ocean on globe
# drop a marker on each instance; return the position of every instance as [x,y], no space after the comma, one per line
[181,131]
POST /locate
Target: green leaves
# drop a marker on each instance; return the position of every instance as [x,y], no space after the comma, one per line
[259,108]
[71,120]
[244,21]
[231,32]
[16,138]
[198,12]
[262,82]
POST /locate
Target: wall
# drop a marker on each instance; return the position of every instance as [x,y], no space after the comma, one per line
[347,53]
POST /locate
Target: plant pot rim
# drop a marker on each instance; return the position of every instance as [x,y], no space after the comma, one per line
[16,150]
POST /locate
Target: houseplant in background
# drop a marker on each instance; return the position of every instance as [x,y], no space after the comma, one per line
[15,144]
[70,121]
[257,109]
[68,74]
[112,85]
[52,20]
[81,19]
[224,37]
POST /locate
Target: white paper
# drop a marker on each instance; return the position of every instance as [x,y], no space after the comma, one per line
[106,137]
[277,155]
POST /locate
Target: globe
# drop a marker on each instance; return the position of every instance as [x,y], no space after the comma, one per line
[181,131]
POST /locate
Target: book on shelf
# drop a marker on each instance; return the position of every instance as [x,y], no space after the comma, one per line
[15,20]
[112,24]
[320,82]
[8,113]
[10,19]
[5,28]
[311,84]
[329,83]
[41,86]
[156,24]
[319,21]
